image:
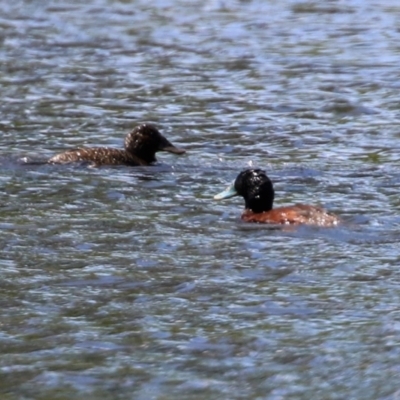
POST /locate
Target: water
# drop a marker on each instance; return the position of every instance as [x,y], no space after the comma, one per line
[133,283]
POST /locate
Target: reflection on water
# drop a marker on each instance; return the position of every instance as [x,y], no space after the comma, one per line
[122,283]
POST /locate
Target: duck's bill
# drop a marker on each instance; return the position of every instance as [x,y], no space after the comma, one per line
[166,145]
[230,191]
[173,149]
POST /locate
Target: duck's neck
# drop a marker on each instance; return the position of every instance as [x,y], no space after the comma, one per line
[141,151]
[260,199]
[148,156]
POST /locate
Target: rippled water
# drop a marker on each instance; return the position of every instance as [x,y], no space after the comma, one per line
[133,283]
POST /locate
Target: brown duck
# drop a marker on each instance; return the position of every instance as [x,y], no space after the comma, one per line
[141,145]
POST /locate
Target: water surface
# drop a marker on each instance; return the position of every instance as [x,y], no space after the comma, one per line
[133,283]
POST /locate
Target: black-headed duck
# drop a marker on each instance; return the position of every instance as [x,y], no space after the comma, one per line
[141,145]
[258,193]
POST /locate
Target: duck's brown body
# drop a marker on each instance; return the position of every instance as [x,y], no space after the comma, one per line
[141,146]
[98,156]
[293,215]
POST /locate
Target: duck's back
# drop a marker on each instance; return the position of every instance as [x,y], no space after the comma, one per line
[97,156]
[294,215]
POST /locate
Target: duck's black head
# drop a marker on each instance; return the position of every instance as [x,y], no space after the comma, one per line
[145,140]
[256,189]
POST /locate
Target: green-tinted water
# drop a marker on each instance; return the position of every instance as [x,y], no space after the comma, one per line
[132,283]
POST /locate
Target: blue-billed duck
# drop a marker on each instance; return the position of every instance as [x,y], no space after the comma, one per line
[258,193]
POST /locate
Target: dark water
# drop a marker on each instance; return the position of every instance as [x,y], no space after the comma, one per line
[132,283]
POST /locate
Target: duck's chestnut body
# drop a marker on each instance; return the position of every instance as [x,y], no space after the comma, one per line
[141,146]
[258,192]
[296,214]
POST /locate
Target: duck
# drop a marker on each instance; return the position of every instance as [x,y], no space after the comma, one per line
[141,145]
[258,193]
